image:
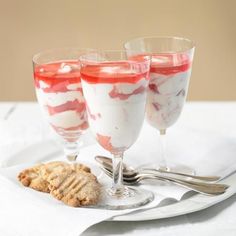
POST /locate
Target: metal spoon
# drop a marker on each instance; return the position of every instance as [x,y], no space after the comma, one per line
[204,188]
[106,161]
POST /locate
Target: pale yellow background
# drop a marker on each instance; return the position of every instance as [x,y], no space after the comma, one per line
[30,26]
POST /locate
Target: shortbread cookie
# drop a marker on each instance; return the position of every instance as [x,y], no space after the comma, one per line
[36,177]
[74,188]
[58,166]
[32,178]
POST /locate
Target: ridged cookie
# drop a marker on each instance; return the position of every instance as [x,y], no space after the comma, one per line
[32,178]
[74,188]
[36,177]
[59,166]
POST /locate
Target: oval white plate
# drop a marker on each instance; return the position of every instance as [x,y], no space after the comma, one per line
[47,150]
[192,204]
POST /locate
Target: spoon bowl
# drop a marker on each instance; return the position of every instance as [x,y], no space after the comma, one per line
[130,171]
[133,177]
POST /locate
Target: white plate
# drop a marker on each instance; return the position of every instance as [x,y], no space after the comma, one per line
[50,150]
[192,204]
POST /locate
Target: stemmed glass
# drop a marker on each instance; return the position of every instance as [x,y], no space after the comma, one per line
[170,72]
[115,91]
[60,95]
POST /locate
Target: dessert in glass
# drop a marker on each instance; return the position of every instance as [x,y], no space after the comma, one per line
[114,87]
[60,95]
[170,72]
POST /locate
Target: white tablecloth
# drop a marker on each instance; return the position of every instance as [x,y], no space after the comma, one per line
[219,117]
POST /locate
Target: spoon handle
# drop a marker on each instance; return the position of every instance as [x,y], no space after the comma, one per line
[203,178]
[204,188]
[210,189]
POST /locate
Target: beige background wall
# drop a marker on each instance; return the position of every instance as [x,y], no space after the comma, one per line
[29,26]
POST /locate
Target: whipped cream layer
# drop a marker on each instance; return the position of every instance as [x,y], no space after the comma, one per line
[59,93]
[167,89]
[116,108]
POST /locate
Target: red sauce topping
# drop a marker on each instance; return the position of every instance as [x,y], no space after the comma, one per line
[105,142]
[68,106]
[153,87]
[65,132]
[156,105]
[93,116]
[57,76]
[169,64]
[115,72]
[123,96]
[83,126]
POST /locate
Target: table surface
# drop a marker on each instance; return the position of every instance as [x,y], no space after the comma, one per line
[213,116]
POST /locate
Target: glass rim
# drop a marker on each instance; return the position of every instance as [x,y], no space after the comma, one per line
[37,55]
[192,42]
[100,51]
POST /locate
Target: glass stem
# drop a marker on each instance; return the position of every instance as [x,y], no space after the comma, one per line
[117,185]
[71,150]
[163,161]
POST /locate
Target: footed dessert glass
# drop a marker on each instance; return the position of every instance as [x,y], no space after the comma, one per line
[114,87]
[59,93]
[170,71]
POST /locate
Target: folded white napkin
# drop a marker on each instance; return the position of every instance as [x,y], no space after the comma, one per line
[38,213]
[24,211]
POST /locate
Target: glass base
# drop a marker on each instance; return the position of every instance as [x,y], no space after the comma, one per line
[126,199]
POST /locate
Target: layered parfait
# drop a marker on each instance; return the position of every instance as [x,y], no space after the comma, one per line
[59,92]
[169,78]
[115,95]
